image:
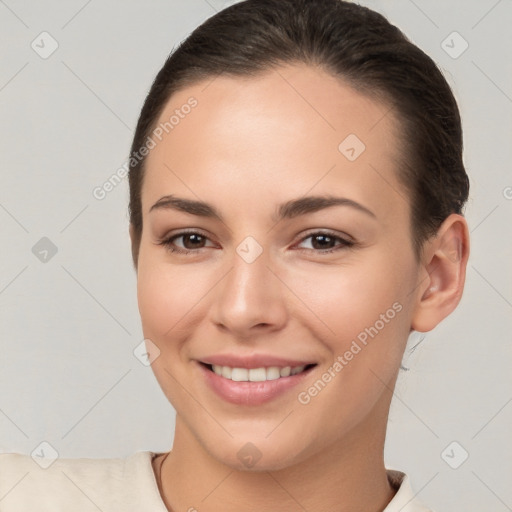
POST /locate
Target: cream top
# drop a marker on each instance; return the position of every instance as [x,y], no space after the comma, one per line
[113,485]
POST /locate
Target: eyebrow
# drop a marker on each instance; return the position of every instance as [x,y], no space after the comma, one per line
[287,210]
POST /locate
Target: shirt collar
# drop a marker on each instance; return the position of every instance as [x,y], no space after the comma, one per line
[404,500]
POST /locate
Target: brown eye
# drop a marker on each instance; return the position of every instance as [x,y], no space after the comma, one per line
[192,242]
[322,241]
[327,242]
[195,240]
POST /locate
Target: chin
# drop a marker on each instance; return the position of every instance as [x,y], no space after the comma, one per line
[260,453]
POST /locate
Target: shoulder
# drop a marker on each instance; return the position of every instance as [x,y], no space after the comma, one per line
[78,484]
[405,499]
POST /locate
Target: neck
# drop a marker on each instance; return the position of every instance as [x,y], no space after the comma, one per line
[347,476]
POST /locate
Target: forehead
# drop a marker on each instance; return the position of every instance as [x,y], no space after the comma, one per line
[283,133]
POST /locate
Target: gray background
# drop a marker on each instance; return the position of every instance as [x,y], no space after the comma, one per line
[69,321]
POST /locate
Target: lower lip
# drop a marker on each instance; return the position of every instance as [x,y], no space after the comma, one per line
[251,393]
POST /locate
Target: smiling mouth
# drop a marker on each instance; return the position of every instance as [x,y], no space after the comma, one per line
[257,374]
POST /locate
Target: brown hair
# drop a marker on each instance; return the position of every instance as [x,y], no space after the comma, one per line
[351,42]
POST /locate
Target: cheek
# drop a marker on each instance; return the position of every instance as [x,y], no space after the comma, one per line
[171,298]
[367,316]
[349,298]
[157,300]
[365,321]
[169,301]
[161,294]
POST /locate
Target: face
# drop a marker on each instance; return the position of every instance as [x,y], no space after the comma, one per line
[301,256]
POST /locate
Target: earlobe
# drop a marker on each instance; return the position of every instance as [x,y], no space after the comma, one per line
[443,274]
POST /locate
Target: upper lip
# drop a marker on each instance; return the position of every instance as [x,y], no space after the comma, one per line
[252,361]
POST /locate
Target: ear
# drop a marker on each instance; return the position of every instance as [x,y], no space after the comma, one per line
[442,274]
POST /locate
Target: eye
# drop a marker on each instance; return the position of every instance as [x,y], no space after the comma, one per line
[193,239]
[325,242]
[321,242]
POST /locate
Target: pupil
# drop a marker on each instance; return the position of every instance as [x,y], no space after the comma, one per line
[324,238]
[195,237]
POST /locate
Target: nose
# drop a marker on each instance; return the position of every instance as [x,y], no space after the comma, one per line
[250,299]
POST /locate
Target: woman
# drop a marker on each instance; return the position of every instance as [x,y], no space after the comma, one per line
[296,197]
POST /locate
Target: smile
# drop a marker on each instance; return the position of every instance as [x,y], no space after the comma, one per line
[256,374]
[252,386]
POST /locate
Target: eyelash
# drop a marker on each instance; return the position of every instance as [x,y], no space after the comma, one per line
[168,242]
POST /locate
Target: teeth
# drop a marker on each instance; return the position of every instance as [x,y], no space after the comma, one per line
[285,372]
[297,369]
[239,374]
[273,373]
[256,374]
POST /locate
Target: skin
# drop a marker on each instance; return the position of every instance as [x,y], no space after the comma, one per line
[249,146]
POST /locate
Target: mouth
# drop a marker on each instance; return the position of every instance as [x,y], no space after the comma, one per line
[260,374]
[257,385]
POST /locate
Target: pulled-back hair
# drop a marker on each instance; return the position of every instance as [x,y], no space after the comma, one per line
[351,42]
